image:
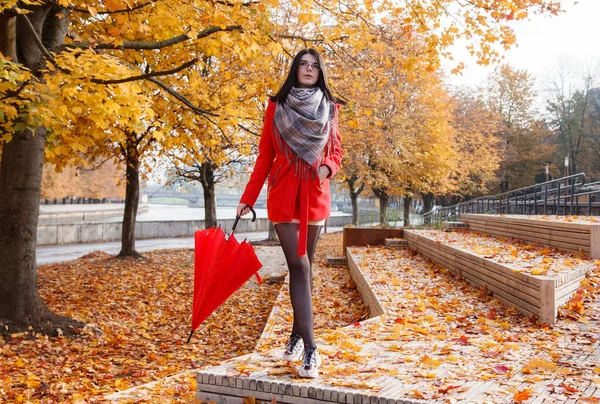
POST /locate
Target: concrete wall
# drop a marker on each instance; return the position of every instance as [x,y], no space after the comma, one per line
[75,233]
[87,212]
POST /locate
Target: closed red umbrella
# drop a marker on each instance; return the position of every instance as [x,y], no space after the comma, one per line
[221,266]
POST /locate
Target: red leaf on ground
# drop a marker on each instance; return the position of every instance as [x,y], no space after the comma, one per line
[500,369]
[463,340]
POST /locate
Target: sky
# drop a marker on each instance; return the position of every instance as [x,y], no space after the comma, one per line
[541,42]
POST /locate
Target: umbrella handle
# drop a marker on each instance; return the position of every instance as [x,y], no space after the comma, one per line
[237,218]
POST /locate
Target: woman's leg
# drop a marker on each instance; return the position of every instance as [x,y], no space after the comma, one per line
[300,278]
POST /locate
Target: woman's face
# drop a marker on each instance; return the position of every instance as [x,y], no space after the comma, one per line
[308,72]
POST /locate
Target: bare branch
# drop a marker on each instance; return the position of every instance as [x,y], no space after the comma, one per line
[127,10]
[155,45]
[181,98]
[248,130]
[247,4]
[319,38]
[93,168]
[147,75]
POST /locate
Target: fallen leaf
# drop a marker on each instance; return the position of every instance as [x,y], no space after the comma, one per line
[522,395]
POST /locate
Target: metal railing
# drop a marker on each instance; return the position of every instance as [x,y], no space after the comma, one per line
[562,196]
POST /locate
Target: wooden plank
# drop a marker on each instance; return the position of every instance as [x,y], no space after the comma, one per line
[495,286]
[548,307]
[356,236]
[364,287]
[510,300]
[516,219]
[441,258]
[227,395]
[477,390]
[564,243]
[508,277]
[502,277]
[566,293]
[567,236]
[595,242]
[443,251]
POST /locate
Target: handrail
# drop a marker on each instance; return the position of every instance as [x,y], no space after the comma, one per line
[560,196]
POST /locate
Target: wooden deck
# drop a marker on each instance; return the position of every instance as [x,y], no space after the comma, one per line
[388,358]
[377,361]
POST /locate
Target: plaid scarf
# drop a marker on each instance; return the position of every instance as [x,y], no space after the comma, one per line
[303,127]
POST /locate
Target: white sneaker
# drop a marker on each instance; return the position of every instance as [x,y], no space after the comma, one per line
[310,363]
[293,348]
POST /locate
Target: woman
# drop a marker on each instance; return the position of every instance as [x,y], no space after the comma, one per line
[299,151]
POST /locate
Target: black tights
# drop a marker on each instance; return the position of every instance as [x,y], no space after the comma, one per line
[301,279]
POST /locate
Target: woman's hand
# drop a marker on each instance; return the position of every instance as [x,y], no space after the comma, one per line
[324,172]
[242,209]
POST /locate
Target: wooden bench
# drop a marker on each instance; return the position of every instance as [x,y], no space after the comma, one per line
[569,236]
[531,295]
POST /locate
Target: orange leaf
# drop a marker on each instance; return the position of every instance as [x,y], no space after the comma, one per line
[569,388]
[418,394]
[522,395]
[445,390]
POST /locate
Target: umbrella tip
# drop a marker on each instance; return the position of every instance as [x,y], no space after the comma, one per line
[190,337]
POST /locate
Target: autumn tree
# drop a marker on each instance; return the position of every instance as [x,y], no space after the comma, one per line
[216,145]
[117,59]
[571,106]
[524,141]
[102,180]
[476,144]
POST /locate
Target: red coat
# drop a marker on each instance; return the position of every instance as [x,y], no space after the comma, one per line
[286,191]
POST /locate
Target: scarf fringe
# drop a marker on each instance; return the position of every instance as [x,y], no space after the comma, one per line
[302,168]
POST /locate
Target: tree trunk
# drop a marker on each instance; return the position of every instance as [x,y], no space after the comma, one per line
[20,182]
[354,200]
[272,232]
[384,199]
[354,193]
[210,206]
[428,202]
[207,179]
[132,198]
[407,202]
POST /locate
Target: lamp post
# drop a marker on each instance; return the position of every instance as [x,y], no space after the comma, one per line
[567,169]
[547,172]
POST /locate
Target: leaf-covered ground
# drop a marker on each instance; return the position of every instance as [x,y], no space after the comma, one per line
[143,310]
